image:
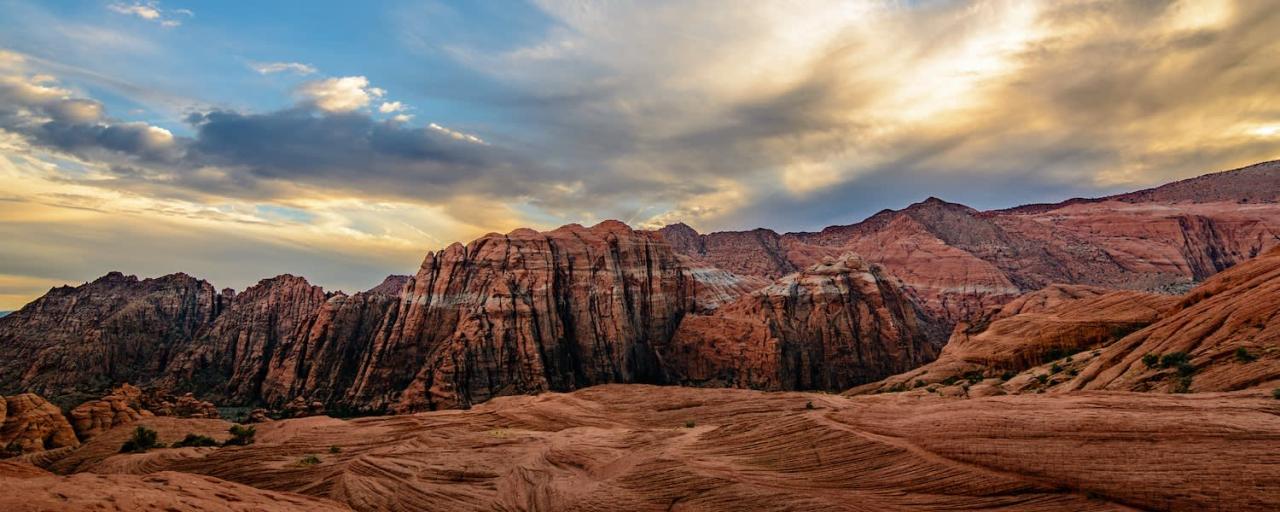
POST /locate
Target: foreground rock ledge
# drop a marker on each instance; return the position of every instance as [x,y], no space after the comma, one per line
[635,447]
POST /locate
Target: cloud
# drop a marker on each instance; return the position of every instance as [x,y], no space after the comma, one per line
[388,107]
[343,94]
[150,11]
[267,68]
[456,134]
[709,113]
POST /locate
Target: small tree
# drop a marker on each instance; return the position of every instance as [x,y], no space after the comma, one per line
[1275,393]
[1243,355]
[689,424]
[241,436]
[1151,360]
[143,439]
[335,449]
[1173,359]
[309,460]
[195,440]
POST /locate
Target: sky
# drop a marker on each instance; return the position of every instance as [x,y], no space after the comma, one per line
[341,141]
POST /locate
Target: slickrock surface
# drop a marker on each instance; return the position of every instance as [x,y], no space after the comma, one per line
[837,324]
[1236,310]
[165,491]
[1067,338]
[1060,319]
[102,453]
[637,447]
[29,424]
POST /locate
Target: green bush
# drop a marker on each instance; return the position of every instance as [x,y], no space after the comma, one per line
[1243,355]
[1173,359]
[1055,368]
[920,383]
[195,440]
[1186,369]
[1275,393]
[974,377]
[143,439]
[1008,374]
[1151,360]
[950,380]
[13,449]
[1042,378]
[689,424]
[309,460]
[241,436]
[1073,372]
[1183,385]
[809,405]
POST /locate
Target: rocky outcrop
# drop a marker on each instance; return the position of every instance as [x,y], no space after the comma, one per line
[1228,328]
[1034,329]
[29,424]
[958,261]
[231,361]
[86,339]
[527,312]
[836,324]
[122,407]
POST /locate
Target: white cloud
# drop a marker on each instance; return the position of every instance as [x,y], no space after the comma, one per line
[267,68]
[457,134]
[390,106]
[150,11]
[343,94]
[402,118]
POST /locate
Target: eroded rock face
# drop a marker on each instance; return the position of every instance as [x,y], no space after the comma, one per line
[527,312]
[115,329]
[958,261]
[32,424]
[231,360]
[837,324]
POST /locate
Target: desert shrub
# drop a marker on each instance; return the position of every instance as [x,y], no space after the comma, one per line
[1186,369]
[689,424]
[950,380]
[974,377]
[1073,372]
[195,440]
[1042,378]
[143,439]
[1151,360]
[13,449]
[1183,385]
[1008,374]
[309,460]
[920,383]
[335,449]
[1275,393]
[1055,368]
[241,436]
[809,405]
[1243,355]
[898,388]
[1173,359]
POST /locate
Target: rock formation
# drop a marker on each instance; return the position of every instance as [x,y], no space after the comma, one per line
[1035,328]
[122,407]
[836,324]
[29,423]
[958,261]
[115,329]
